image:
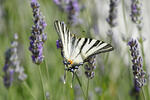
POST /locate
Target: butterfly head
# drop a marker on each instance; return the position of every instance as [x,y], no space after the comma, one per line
[70,62]
[70,65]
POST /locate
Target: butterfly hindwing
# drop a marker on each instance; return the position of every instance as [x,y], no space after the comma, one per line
[89,47]
[79,49]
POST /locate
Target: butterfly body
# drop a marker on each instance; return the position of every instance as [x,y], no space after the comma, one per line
[76,51]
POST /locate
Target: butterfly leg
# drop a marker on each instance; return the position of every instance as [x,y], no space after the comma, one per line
[76,67]
[72,78]
[65,72]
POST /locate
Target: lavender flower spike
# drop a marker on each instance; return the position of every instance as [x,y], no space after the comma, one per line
[112,13]
[73,10]
[38,36]
[71,7]
[90,67]
[137,67]
[12,65]
[136,11]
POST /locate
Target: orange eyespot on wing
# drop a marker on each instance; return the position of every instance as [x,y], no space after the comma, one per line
[70,61]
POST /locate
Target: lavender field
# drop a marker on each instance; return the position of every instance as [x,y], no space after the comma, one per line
[32,64]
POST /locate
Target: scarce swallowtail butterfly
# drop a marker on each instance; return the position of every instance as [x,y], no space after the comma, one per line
[75,50]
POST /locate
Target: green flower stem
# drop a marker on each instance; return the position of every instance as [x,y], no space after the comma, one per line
[124,16]
[142,49]
[8,93]
[42,83]
[144,97]
[106,59]
[126,28]
[80,85]
[107,55]
[144,62]
[28,88]
[47,70]
[87,90]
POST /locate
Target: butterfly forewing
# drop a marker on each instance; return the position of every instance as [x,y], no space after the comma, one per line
[76,56]
[79,49]
[65,37]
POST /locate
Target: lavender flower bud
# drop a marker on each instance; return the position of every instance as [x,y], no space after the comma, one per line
[137,67]
[8,78]
[47,95]
[58,44]
[112,13]
[136,13]
[135,91]
[90,67]
[38,36]
[21,75]
[12,65]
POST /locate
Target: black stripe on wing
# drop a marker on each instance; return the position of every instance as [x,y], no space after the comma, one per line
[58,27]
[85,40]
[94,45]
[73,39]
[98,43]
[78,42]
[90,40]
[104,49]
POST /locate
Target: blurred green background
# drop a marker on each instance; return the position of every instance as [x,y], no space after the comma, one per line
[113,77]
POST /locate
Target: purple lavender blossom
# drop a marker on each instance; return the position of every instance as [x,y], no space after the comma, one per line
[136,12]
[112,13]
[90,67]
[59,44]
[12,65]
[8,78]
[38,36]
[57,2]
[135,91]
[137,67]
[71,7]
